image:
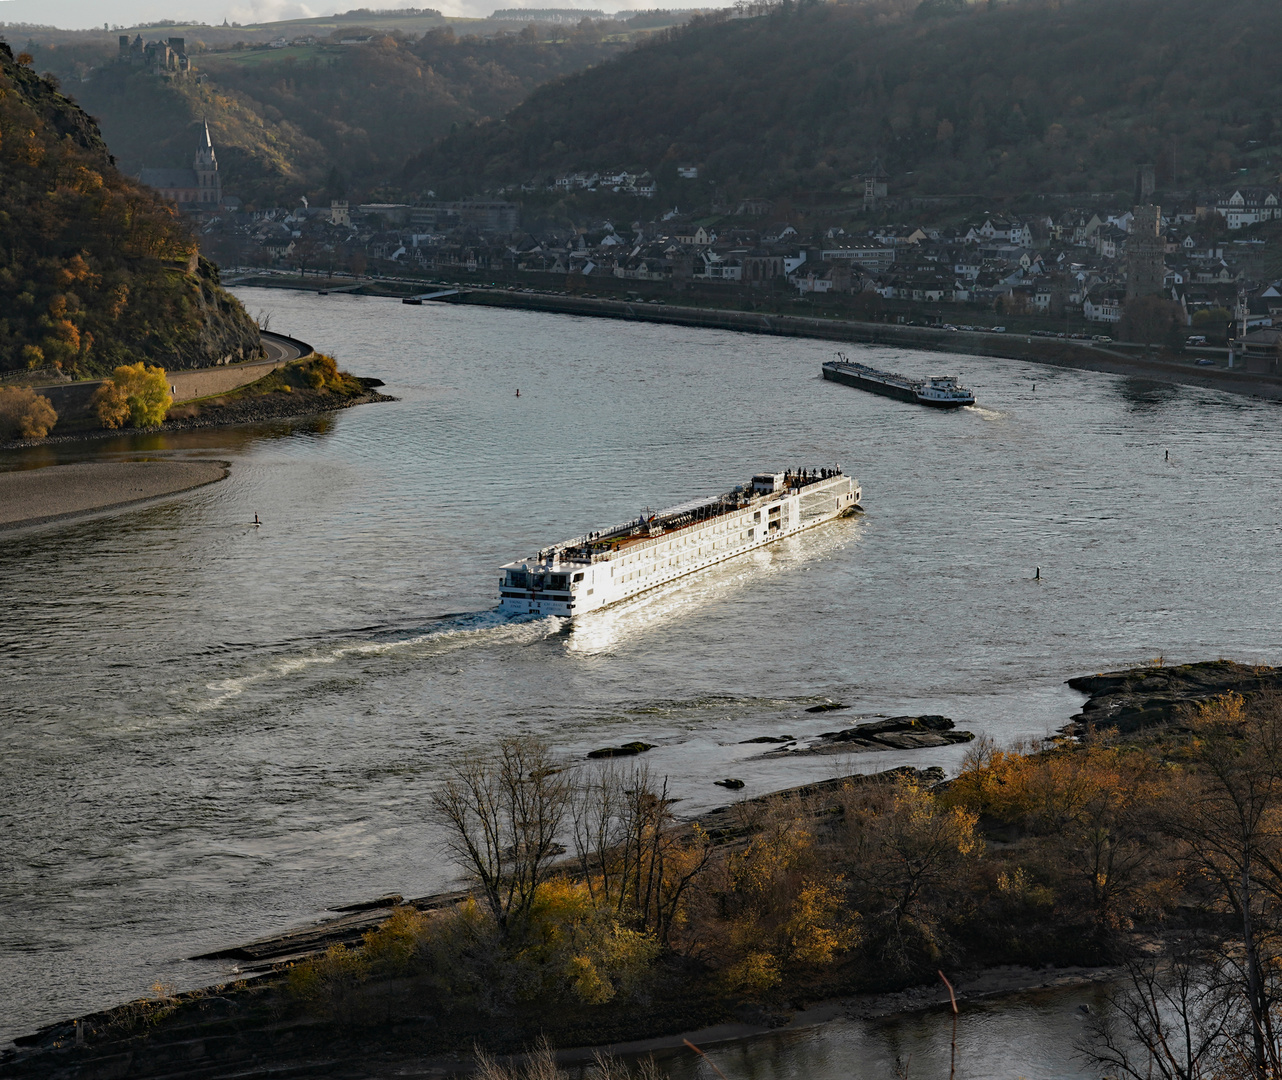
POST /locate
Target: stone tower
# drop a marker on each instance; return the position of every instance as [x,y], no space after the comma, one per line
[1145,183]
[876,185]
[207,180]
[1145,253]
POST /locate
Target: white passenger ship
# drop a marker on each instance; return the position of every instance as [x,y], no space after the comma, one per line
[601,568]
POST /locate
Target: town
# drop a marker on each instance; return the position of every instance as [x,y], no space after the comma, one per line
[1202,260]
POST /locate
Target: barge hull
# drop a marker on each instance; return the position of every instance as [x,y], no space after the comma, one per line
[849,378]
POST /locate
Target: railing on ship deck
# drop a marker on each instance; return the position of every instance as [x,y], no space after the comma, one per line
[572,552]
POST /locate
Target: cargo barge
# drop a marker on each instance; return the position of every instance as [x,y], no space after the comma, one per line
[602,568]
[940,392]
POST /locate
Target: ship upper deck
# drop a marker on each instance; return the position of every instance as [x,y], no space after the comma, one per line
[649,529]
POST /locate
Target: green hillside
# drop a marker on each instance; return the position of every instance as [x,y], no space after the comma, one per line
[992,99]
[95,271]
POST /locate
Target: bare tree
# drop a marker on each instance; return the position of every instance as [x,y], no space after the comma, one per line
[1229,817]
[502,816]
[1169,1019]
[635,858]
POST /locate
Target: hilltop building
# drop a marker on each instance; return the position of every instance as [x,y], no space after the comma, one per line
[168,58]
[198,188]
[1145,253]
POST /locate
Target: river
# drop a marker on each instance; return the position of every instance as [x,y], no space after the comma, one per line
[214,731]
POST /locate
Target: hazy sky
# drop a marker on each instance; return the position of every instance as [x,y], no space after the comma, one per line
[79,14]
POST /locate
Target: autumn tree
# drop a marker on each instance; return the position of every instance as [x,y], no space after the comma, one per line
[135,395]
[24,414]
[780,904]
[906,854]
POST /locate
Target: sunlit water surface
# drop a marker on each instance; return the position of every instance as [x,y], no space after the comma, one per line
[214,731]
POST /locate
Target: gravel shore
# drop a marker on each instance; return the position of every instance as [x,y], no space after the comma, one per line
[35,496]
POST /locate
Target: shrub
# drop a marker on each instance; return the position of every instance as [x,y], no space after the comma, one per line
[330,982]
[24,414]
[135,394]
[569,946]
[395,943]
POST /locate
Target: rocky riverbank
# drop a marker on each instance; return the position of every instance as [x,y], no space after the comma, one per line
[383,988]
[1157,695]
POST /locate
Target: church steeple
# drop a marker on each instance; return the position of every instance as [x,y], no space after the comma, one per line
[211,188]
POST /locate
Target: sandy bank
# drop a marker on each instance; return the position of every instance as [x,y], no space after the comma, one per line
[35,496]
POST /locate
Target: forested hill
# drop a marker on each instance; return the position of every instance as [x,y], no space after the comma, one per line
[325,120]
[95,271]
[1061,95]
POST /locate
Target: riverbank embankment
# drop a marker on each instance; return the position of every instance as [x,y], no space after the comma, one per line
[62,492]
[1111,358]
[1065,352]
[72,400]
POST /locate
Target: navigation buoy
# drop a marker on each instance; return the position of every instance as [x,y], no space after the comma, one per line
[1168,456]
[1034,388]
[1038,576]
[518,393]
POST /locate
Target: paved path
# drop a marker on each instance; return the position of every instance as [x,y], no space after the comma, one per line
[280,349]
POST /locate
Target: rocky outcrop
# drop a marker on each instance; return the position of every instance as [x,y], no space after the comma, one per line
[1144,697]
[893,733]
[626,750]
[99,270]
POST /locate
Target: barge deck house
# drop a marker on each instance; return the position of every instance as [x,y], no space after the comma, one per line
[601,568]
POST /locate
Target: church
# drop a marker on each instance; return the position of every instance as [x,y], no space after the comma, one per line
[194,189]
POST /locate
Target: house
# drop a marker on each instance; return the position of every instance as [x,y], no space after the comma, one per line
[709,267]
[1245,206]
[688,172]
[700,237]
[823,277]
[780,231]
[1103,304]
[1258,350]
[999,228]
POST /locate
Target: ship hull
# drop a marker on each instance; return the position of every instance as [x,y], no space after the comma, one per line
[851,378]
[569,589]
[944,404]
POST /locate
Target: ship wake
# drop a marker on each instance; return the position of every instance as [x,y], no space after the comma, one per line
[448,634]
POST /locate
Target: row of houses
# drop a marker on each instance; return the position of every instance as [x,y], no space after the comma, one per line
[1074,263]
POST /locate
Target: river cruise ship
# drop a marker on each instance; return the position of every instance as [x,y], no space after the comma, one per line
[601,568]
[940,392]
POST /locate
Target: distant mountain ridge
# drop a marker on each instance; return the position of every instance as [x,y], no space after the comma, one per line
[95,270]
[1032,96]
